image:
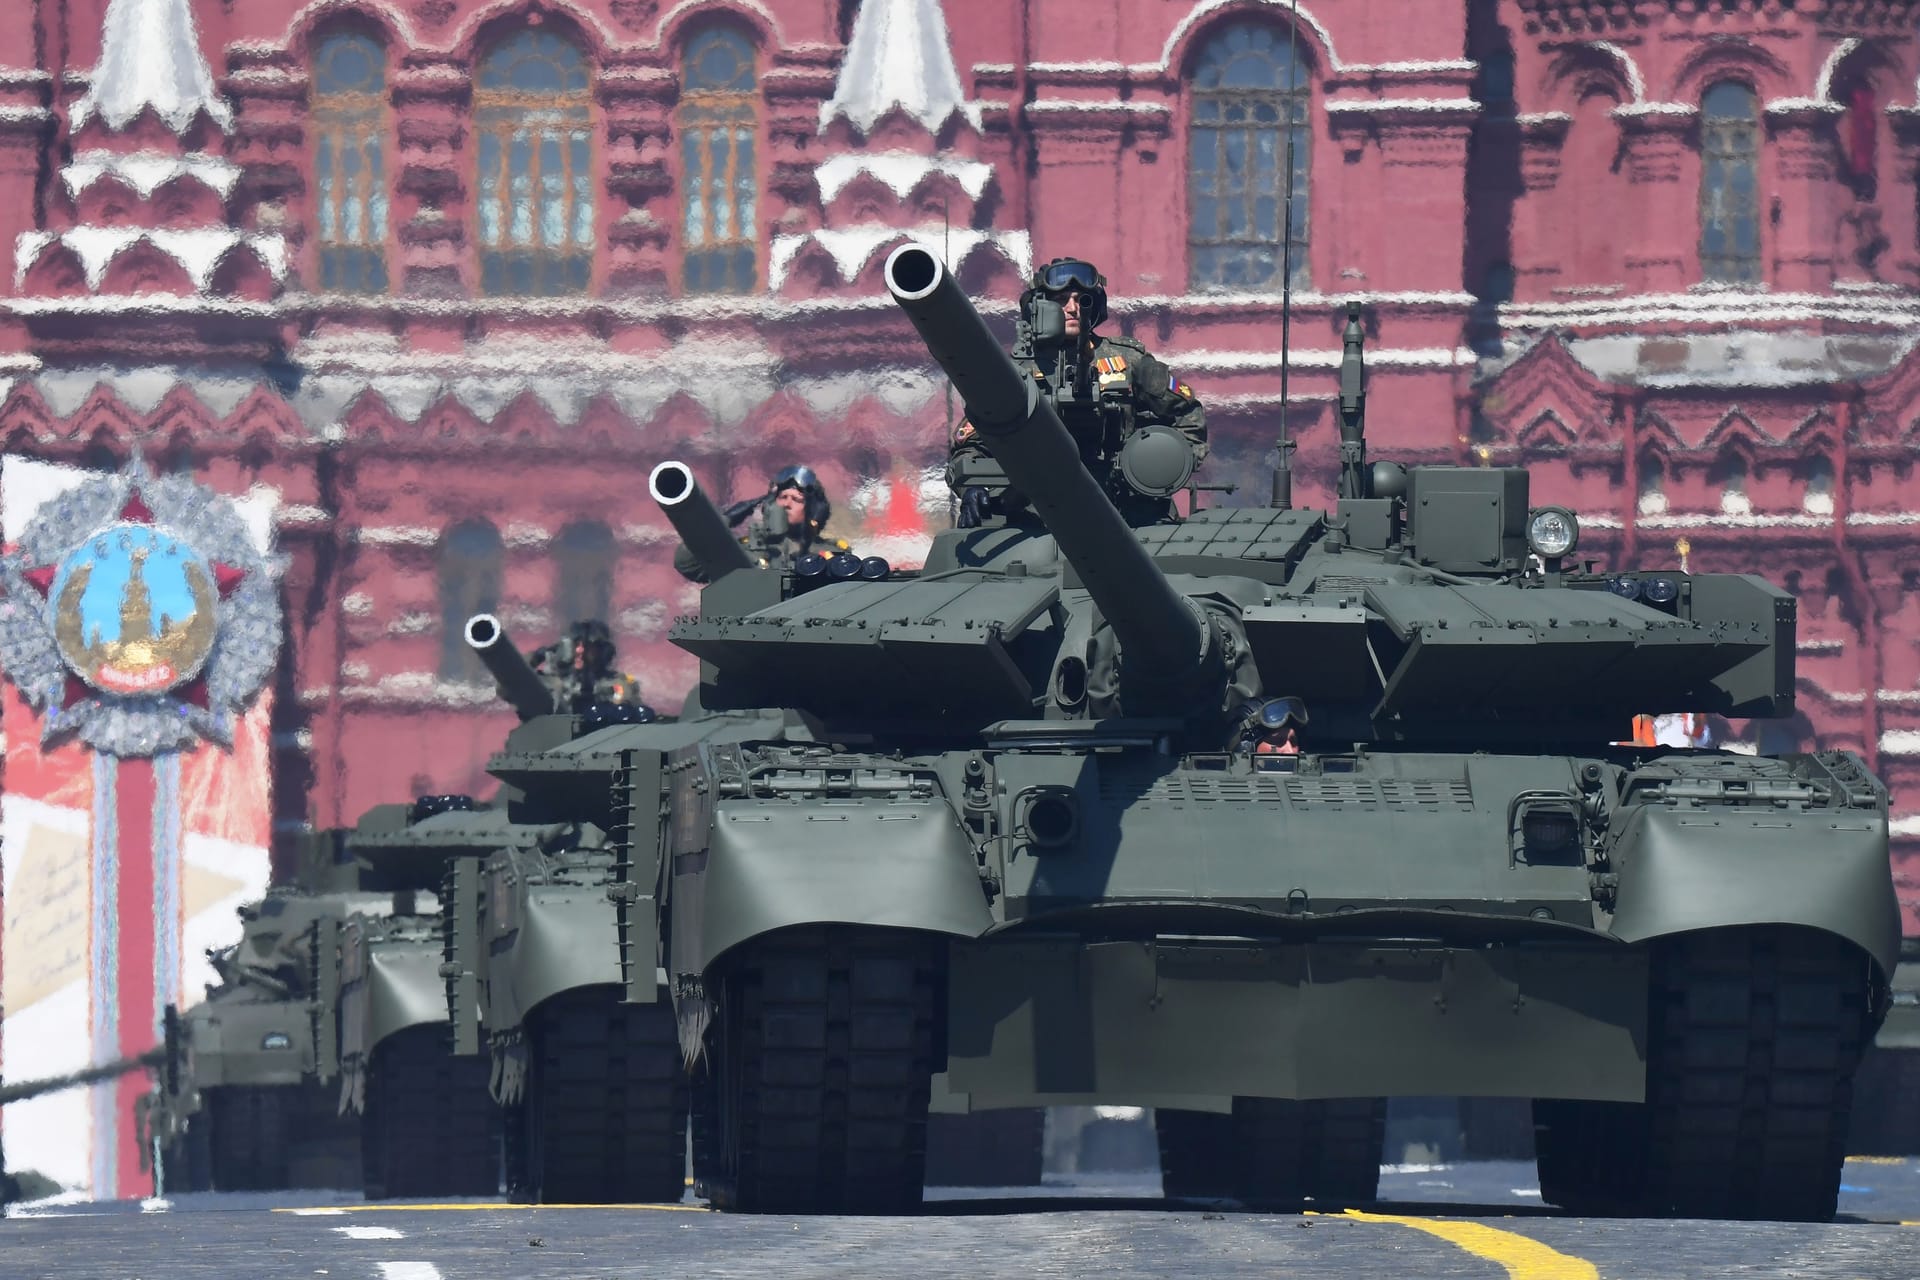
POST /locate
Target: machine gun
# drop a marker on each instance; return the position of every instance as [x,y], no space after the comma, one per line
[519,684]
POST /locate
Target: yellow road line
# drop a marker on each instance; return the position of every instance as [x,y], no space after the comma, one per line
[488,1207]
[1523,1257]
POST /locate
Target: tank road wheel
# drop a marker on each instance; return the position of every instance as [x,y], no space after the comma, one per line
[987,1148]
[1275,1150]
[822,1059]
[246,1136]
[1754,1037]
[604,1120]
[429,1128]
[1592,1156]
[1886,1104]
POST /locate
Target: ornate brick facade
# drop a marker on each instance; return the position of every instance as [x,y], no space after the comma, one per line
[444,278]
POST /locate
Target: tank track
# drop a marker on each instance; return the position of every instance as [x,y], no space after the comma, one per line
[1274,1150]
[821,1062]
[430,1128]
[247,1137]
[604,1119]
[1754,1035]
[987,1148]
[1886,1104]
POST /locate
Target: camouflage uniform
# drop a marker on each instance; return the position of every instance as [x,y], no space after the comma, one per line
[1104,388]
[576,688]
[771,549]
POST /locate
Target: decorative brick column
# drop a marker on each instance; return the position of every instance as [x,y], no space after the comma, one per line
[1659,139]
[1804,233]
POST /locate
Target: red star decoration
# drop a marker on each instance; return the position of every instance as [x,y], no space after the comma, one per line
[41,579]
[227,578]
[136,511]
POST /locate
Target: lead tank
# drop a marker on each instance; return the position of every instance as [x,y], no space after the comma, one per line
[1036,836]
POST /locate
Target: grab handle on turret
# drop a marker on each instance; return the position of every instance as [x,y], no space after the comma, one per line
[1164,637]
[519,684]
[699,523]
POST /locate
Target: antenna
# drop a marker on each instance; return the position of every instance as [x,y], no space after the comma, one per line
[1283,466]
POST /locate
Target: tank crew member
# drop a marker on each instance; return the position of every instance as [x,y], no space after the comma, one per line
[1104,387]
[789,521]
[1270,726]
[579,669]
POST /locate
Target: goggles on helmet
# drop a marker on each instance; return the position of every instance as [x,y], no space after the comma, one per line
[1058,277]
[801,478]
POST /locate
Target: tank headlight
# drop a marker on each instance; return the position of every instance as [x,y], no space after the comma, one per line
[1661,590]
[1552,532]
[1624,587]
[277,1040]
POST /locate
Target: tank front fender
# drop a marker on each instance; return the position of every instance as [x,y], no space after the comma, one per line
[567,939]
[404,989]
[1682,870]
[889,863]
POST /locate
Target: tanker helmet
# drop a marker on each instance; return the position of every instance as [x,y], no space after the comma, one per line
[1071,275]
[807,481]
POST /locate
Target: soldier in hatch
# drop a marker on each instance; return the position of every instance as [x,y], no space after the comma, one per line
[789,521]
[1105,388]
[578,668]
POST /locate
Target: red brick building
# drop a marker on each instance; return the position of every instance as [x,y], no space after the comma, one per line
[444,278]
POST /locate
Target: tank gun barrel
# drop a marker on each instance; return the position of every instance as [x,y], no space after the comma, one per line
[698,522]
[520,685]
[1159,631]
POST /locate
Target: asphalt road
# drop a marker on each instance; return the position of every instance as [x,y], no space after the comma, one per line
[1470,1220]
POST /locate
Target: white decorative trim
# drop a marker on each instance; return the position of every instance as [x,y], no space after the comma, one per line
[1258,361]
[1544,117]
[1900,742]
[1287,8]
[199,251]
[1096,106]
[150,57]
[1381,105]
[1638,110]
[147,171]
[901,171]
[1823,82]
[899,58]
[1794,106]
[395,535]
[296,514]
[1409,67]
[1636,83]
[853,247]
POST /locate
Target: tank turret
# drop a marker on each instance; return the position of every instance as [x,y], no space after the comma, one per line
[1161,632]
[519,684]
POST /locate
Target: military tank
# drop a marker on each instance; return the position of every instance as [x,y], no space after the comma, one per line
[428,1124]
[580,1045]
[239,1104]
[1034,835]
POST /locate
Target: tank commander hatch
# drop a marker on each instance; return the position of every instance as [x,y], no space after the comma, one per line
[789,521]
[1106,389]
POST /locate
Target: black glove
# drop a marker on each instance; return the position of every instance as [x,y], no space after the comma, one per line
[974,505]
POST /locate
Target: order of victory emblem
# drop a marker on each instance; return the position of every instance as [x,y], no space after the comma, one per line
[138,614]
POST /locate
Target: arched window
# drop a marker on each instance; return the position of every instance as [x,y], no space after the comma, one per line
[349,121]
[1652,498]
[1729,475]
[1249,91]
[532,107]
[583,562]
[1730,184]
[1817,497]
[469,572]
[718,122]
